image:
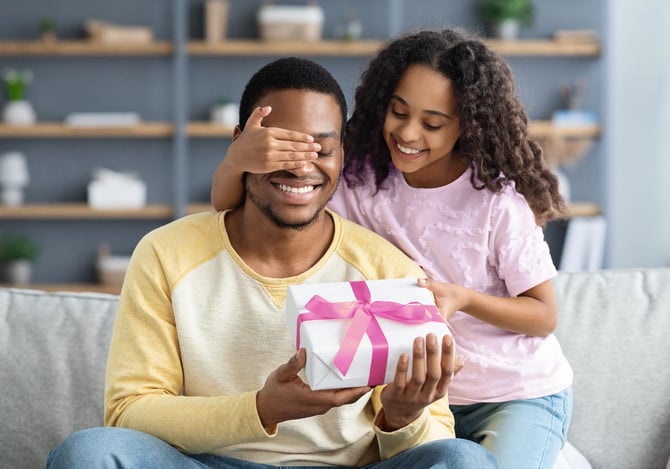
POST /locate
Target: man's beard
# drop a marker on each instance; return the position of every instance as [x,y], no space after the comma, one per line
[266,209]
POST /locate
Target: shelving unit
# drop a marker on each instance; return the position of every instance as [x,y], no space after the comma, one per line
[185,133]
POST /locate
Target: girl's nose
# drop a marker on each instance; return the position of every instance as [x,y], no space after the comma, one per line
[409,131]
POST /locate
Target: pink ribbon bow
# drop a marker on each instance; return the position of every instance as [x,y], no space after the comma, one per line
[364,314]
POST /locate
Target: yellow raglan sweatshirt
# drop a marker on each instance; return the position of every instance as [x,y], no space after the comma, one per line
[197,333]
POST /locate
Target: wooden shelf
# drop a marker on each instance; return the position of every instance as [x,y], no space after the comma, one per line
[526,47]
[255,47]
[583,209]
[67,287]
[62,130]
[71,211]
[547,128]
[208,129]
[536,128]
[82,48]
[544,47]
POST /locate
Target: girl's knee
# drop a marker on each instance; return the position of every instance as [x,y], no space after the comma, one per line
[457,453]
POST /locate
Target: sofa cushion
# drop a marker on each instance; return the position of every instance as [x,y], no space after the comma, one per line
[614,327]
[54,351]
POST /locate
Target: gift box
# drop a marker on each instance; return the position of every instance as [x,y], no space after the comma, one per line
[355,332]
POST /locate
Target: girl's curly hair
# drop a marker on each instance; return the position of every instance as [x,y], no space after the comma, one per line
[494,127]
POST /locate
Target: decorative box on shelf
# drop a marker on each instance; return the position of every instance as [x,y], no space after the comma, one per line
[112,190]
[354,332]
[290,22]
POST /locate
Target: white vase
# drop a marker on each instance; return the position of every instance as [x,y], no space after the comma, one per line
[19,112]
[507,30]
[11,196]
[19,272]
[14,177]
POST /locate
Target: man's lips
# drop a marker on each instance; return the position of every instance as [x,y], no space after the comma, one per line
[295,190]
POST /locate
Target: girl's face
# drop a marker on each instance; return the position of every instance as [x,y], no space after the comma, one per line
[421,128]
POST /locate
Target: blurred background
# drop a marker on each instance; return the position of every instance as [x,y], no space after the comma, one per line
[115,114]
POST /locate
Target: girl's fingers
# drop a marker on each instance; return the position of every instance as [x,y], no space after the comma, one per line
[257,116]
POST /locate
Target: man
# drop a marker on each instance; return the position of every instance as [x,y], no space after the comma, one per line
[202,371]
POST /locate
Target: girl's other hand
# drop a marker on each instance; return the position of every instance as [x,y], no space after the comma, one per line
[449,297]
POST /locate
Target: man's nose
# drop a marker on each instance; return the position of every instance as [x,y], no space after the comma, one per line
[304,170]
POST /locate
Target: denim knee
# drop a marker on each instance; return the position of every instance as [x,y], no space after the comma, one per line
[105,447]
[455,453]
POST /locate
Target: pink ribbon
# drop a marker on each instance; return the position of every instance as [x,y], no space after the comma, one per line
[364,314]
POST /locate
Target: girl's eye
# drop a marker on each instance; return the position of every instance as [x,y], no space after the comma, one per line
[398,114]
[325,154]
[432,127]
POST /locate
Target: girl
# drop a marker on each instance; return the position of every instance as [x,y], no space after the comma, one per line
[439,161]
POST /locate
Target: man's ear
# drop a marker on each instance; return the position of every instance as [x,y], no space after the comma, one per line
[237,132]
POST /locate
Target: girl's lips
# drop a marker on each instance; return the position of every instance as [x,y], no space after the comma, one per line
[403,154]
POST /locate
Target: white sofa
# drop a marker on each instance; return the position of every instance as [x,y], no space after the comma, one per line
[614,327]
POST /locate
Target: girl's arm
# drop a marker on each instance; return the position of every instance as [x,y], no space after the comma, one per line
[533,312]
[258,149]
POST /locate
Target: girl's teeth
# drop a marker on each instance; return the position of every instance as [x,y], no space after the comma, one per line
[296,190]
[411,151]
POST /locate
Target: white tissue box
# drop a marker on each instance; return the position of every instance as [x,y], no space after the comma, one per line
[110,190]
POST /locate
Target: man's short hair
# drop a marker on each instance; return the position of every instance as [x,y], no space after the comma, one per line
[290,73]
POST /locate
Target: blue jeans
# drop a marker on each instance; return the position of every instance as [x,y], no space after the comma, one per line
[110,447]
[523,434]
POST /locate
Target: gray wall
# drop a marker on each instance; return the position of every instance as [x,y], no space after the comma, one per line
[638,137]
[61,168]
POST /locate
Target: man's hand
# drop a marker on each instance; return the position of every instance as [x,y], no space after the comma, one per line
[433,368]
[287,397]
[259,149]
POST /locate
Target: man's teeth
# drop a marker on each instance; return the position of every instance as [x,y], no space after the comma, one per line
[408,150]
[295,190]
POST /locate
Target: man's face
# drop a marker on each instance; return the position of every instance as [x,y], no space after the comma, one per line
[287,200]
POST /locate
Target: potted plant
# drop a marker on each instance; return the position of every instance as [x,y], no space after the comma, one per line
[17,254]
[18,110]
[504,17]
[48,29]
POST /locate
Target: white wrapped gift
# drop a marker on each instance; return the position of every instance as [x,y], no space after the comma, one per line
[355,332]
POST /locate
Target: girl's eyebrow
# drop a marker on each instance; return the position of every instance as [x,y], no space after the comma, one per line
[433,112]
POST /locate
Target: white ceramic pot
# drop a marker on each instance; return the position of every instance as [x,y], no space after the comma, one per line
[19,272]
[507,30]
[14,177]
[11,196]
[19,113]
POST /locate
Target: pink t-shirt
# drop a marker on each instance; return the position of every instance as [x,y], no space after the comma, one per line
[482,240]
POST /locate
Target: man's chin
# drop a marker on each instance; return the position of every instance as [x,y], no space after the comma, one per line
[297,224]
